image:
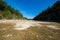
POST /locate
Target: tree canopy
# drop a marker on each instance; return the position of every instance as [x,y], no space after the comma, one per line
[7,12]
[50,14]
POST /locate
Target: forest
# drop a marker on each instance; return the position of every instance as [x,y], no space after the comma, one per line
[51,14]
[7,12]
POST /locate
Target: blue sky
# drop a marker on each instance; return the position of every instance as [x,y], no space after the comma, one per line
[30,8]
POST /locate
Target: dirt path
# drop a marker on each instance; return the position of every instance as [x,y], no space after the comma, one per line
[29,30]
[24,24]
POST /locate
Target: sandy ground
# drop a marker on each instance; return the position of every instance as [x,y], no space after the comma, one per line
[24,24]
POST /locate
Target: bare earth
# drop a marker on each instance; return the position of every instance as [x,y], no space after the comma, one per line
[29,30]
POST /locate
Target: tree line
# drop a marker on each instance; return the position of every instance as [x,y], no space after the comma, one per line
[51,14]
[7,12]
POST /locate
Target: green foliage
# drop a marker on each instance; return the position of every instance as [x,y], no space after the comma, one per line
[50,14]
[7,12]
[2,5]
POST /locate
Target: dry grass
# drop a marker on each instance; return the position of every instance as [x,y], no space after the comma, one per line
[32,33]
[5,25]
